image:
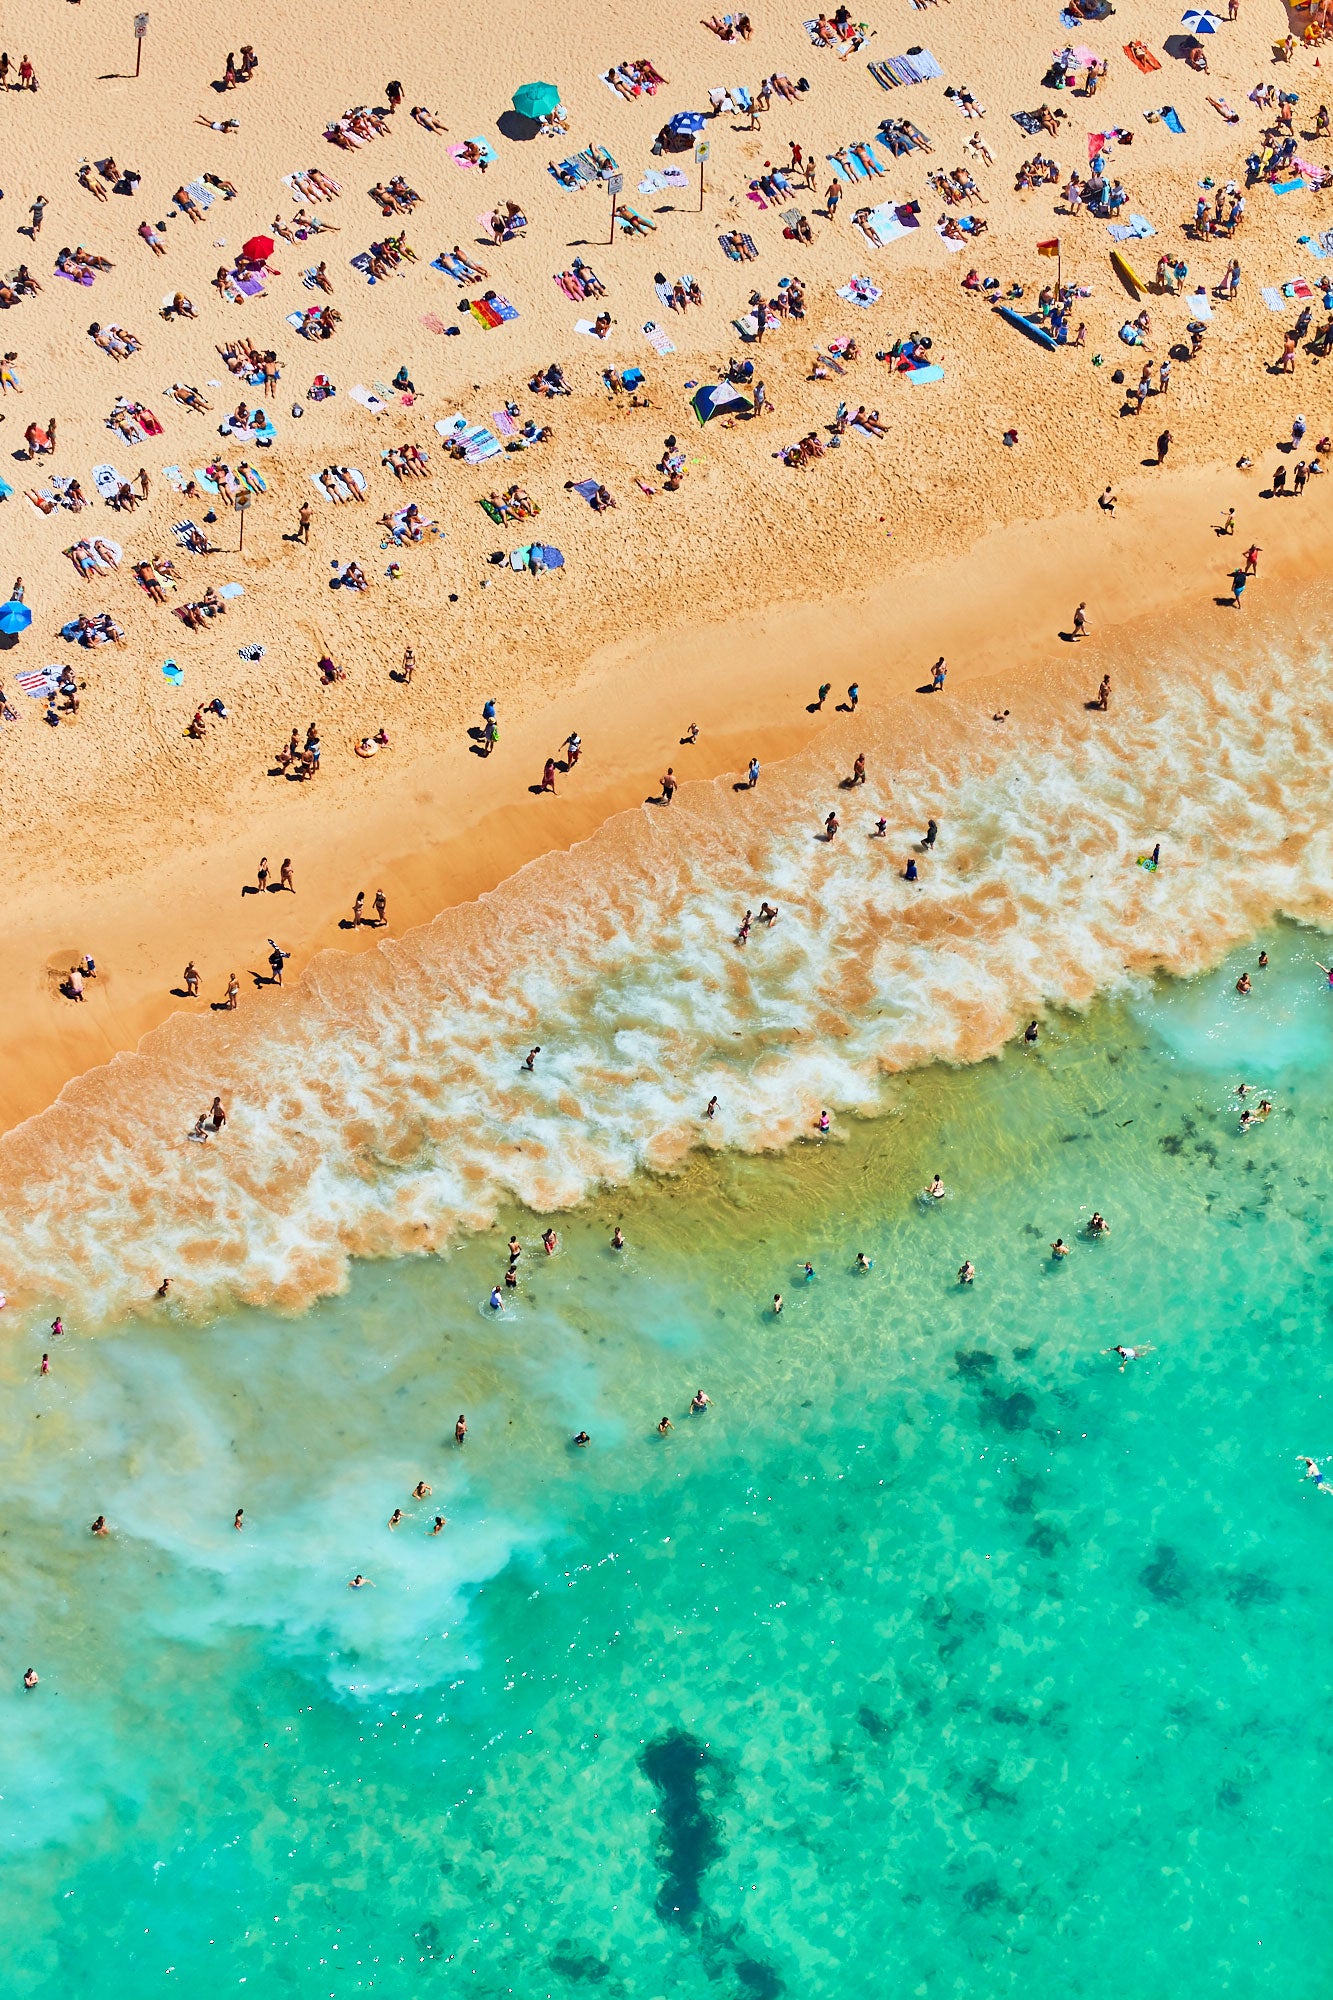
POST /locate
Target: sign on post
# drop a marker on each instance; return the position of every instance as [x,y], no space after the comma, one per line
[614,184]
[140,31]
[701,151]
[240,503]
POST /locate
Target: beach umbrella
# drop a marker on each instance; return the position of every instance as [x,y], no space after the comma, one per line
[258,248]
[1199,21]
[15,617]
[535,100]
[687,121]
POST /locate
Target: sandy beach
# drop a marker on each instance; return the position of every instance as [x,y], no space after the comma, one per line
[723,603]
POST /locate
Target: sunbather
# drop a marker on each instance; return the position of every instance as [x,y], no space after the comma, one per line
[427,119]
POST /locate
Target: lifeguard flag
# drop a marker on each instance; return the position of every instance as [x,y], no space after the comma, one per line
[1051,248]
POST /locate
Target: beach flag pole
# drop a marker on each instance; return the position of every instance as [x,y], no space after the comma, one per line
[615,182]
[1051,248]
[242,506]
[140,34]
[701,150]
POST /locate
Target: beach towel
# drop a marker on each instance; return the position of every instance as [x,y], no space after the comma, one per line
[250,652]
[587,487]
[230,590]
[185,532]
[859,292]
[932,372]
[1171,118]
[492,311]
[432,322]
[323,490]
[252,287]
[950,242]
[297,319]
[1029,121]
[375,404]
[504,423]
[587,326]
[888,222]
[625,215]
[1288,187]
[173,673]
[39,682]
[478,443]
[456,152]
[657,178]
[107,481]
[660,341]
[1142,57]
[1200,305]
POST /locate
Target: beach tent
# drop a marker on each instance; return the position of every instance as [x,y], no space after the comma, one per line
[535,100]
[712,398]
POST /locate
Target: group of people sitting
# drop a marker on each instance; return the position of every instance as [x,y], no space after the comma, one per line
[841,33]
[550,382]
[731,27]
[21,286]
[1036,172]
[357,127]
[99,631]
[196,615]
[901,136]
[388,256]
[319,322]
[115,341]
[803,452]
[409,526]
[634,79]
[397,198]
[406,461]
[74,263]
[93,556]
[957,186]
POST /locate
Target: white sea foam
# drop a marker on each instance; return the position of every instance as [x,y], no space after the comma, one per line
[383,1106]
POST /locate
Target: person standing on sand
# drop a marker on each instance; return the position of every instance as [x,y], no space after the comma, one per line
[233,993]
[1081,622]
[1238,582]
[285,876]
[1163,447]
[548,776]
[381,909]
[261,874]
[277,958]
[303,518]
[191,981]
[1252,555]
[668,786]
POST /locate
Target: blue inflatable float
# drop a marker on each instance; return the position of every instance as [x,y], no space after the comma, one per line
[1029,327]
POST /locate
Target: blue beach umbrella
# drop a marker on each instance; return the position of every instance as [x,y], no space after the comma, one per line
[15,617]
[534,100]
[1199,21]
[687,121]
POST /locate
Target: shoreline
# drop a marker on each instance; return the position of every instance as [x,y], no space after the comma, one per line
[736,679]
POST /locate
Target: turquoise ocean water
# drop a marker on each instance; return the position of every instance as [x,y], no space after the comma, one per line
[939,1657]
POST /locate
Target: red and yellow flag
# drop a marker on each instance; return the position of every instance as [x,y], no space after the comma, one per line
[1051,248]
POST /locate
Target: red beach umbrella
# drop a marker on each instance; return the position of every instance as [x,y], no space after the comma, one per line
[258,248]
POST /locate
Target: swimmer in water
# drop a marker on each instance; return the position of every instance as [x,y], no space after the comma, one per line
[710,1110]
[1243,1089]
[863,1263]
[1327,970]
[460,1429]
[1128,1354]
[617,1240]
[239,1522]
[395,1517]
[1243,983]
[421,1491]
[163,1288]
[824,1121]
[967,1271]
[515,1249]
[809,1270]
[57,1327]
[1264,1108]
[1059,1248]
[582,1439]
[549,1241]
[511,1278]
[99,1526]
[1030,1032]
[881,829]
[699,1403]
[45,1368]
[359,1582]
[935,1191]
[530,1060]
[777,1304]
[30,1677]
[1097,1224]
[440,1522]
[664,1426]
[496,1301]
[1316,1472]
[1263,960]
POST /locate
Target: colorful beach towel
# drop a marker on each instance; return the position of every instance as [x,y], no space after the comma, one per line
[456,152]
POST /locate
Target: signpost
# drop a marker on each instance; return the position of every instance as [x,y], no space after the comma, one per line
[140,33]
[241,503]
[614,183]
[701,151]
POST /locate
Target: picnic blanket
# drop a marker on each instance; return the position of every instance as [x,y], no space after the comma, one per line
[456,152]
[478,443]
[377,405]
[491,311]
[657,178]
[1138,225]
[39,682]
[859,292]
[199,191]
[107,481]
[1278,297]
[890,221]
[915,67]
[537,556]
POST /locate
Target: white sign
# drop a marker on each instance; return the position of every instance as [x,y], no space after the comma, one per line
[140,26]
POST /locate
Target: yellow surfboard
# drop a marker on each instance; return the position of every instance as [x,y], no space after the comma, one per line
[1127,274]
